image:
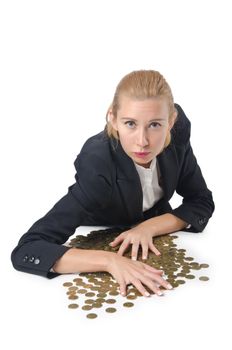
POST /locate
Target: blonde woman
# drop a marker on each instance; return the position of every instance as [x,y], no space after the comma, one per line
[125,175]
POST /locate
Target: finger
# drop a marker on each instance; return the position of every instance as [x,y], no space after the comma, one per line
[153,248]
[117,240]
[144,251]
[157,278]
[122,287]
[153,269]
[134,251]
[140,287]
[151,285]
[123,247]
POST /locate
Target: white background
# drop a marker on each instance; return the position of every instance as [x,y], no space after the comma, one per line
[60,62]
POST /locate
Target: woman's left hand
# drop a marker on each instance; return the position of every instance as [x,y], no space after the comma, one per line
[138,235]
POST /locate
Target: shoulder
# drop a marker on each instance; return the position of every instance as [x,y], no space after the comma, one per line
[182,128]
[97,143]
[95,153]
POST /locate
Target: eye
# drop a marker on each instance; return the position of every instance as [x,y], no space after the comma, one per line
[130,123]
[155,125]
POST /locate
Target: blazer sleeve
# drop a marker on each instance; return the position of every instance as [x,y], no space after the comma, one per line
[197,204]
[40,247]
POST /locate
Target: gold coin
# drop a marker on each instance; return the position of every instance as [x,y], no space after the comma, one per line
[73,297]
[128,304]
[82,291]
[90,294]
[204,266]
[67,284]
[110,309]
[203,278]
[100,300]
[97,305]
[180,281]
[114,292]
[190,277]
[89,301]
[91,316]
[101,295]
[87,307]
[71,292]
[110,301]
[73,288]
[131,297]
[77,280]
[94,288]
[73,306]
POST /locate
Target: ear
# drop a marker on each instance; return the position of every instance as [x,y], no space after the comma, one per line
[172,120]
[112,119]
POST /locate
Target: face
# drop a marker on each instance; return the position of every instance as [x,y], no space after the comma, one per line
[142,126]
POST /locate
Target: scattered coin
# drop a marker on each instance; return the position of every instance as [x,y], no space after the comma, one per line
[73,306]
[110,309]
[73,297]
[128,304]
[67,284]
[82,291]
[110,301]
[174,262]
[91,316]
[203,278]
[87,307]
[131,297]
[97,305]
[204,266]
[190,276]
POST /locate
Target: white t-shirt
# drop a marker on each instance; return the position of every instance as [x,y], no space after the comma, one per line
[152,192]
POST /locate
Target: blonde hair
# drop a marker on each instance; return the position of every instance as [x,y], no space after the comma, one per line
[141,84]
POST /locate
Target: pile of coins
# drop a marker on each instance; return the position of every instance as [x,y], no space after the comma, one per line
[99,287]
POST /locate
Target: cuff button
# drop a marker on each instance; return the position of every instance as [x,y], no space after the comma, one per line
[37,261]
[25,258]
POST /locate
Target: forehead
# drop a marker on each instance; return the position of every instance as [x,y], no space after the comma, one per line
[151,107]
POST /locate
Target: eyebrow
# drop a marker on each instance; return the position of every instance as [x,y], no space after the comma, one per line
[152,120]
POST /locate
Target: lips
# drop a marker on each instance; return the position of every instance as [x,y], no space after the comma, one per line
[142,153]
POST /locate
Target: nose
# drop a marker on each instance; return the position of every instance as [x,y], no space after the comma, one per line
[141,138]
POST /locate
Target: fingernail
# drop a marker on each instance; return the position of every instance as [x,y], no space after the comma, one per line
[169,286]
[159,293]
[144,258]
[133,258]
[147,294]
[122,293]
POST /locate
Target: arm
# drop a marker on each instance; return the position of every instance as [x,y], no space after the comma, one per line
[122,269]
[41,246]
[163,224]
[197,205]
[82,260]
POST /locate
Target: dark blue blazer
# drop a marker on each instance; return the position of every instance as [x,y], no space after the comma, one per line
[107,192]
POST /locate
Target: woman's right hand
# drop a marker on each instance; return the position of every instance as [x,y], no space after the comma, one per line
[127,271]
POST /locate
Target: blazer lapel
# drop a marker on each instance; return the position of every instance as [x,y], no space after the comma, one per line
[128,180]
[128,183]
[168,168]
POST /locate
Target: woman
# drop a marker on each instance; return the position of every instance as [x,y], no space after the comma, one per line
[125,175]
